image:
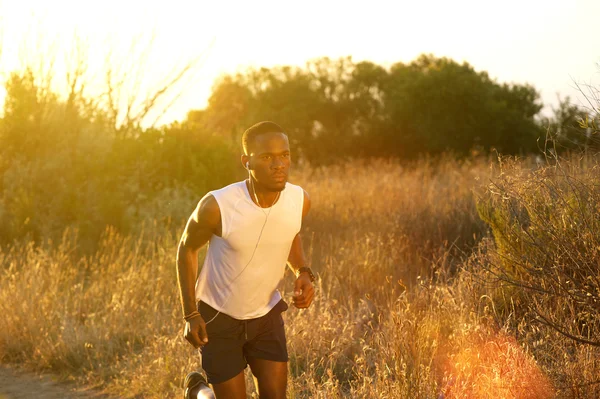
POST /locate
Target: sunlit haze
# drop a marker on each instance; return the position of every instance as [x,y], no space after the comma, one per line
[549,44]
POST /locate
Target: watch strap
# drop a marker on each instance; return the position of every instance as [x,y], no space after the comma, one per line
[307,270]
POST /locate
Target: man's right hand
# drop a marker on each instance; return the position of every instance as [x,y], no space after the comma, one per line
[195,332]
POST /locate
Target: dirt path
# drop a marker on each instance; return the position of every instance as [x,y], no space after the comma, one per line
[20,385]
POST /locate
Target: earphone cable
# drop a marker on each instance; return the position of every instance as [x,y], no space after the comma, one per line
[255,247]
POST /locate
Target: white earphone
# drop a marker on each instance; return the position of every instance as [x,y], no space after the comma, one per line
[253,252]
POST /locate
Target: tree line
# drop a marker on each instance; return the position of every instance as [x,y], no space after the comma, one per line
[341,109]
[78,160]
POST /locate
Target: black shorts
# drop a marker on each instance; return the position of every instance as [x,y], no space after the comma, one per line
[231,341]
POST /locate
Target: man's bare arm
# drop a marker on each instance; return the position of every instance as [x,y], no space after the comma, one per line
[303,288]
[296,258]
[202,224]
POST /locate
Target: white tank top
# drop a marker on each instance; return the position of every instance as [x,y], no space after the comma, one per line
[253,292]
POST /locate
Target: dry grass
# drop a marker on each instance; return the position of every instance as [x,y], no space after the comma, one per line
[393,317]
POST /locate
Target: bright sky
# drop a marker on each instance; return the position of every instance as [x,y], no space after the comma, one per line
[548,43]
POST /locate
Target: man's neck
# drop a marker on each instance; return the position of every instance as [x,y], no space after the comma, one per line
[266,198]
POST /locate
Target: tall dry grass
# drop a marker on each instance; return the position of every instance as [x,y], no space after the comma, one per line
[544,264]
[399,310]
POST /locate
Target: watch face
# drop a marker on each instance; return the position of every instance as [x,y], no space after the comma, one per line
[307,270]
[310,274]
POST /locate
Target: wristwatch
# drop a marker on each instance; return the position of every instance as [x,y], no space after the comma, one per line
[307,270]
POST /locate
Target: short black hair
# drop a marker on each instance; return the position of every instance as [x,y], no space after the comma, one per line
[257,129]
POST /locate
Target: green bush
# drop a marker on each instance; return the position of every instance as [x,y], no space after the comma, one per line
[65,166]
[546,228]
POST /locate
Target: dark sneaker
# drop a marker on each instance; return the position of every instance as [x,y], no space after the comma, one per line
[193,383]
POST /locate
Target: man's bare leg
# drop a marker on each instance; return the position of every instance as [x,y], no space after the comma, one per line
[270,378]
[234,388]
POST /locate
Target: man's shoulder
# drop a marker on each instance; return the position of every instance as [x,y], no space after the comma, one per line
[294,187]
[230,187]
[299,189]
[228,193]
[212,198]
[302,197]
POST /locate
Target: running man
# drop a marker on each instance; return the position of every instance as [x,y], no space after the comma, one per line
[232,311]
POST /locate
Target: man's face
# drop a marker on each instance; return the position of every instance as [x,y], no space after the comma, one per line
[270,160]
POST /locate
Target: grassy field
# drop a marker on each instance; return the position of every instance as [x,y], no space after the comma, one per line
[403,307]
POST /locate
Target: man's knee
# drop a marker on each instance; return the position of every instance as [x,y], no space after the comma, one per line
[270,389]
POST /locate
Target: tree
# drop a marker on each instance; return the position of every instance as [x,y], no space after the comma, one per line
[436,104]
[339,108]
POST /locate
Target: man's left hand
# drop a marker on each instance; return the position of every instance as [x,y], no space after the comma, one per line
[303,291]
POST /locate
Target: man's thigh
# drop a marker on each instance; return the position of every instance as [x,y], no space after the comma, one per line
[223,356]
[233,388]
[266,353]
[267,336]
[270,377]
